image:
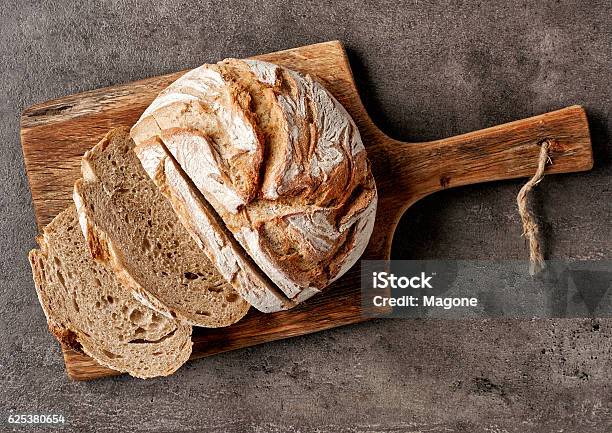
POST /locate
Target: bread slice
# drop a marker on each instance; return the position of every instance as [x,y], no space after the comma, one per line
[206,229]
[87,308]
[130,226]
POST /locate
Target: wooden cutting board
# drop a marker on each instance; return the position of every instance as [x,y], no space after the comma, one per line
[56,133]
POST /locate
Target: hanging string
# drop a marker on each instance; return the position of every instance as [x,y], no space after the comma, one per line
[531,230]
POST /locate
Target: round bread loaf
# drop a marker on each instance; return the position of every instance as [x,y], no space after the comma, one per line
[278,162]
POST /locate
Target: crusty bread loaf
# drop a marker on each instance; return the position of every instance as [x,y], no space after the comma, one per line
[278,159]
[87,308]
[131,227]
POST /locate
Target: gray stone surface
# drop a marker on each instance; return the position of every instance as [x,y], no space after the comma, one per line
[425,69]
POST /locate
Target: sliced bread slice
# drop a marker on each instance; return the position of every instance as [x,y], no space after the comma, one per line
[87,308]
[130,226]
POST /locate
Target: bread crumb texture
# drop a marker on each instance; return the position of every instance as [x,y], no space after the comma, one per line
[88,309]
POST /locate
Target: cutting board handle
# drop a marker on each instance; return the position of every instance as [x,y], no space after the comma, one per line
[410,171]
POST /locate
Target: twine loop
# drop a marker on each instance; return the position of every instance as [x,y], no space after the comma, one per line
[531,229]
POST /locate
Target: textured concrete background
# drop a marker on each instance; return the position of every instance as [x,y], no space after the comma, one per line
[425,69]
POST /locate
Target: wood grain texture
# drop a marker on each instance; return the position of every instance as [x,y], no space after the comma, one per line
[56,133]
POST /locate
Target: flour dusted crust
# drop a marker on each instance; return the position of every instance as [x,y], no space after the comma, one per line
[279,160]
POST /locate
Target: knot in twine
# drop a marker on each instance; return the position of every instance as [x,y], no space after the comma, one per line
[531,230]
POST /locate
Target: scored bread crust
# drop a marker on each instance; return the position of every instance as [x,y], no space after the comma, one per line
[201,222]
[307,214]
[116,229]
[88,309]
